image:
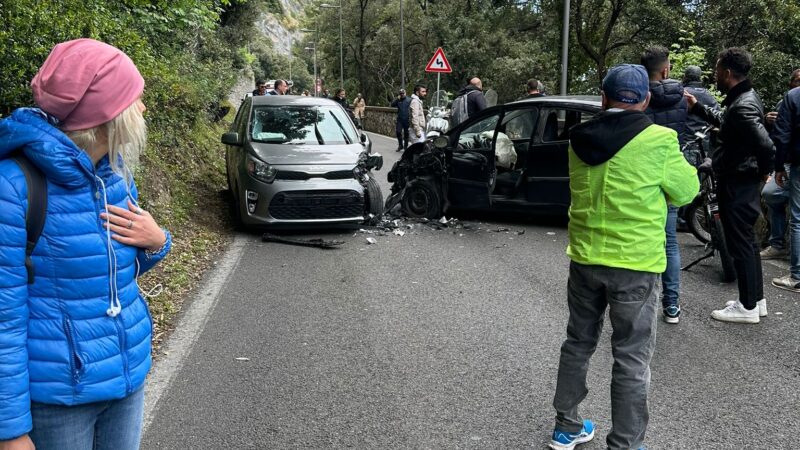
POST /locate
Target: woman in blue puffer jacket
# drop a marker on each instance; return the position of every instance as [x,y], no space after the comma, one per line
[75,343]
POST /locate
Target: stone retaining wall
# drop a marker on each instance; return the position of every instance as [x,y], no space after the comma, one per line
[380,120]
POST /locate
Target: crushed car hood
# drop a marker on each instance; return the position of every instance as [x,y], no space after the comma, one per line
[278,154]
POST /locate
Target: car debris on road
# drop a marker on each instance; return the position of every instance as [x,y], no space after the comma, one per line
[316,242]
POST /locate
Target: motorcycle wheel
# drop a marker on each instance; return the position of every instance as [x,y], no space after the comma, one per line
[422,199]
[697,223]
[725,258]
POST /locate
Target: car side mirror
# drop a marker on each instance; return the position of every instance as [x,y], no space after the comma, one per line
[374,161]
[231,139]
[363,138]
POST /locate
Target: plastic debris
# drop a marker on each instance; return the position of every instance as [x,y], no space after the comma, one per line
[371,241]
[399,232]
[443,220]
[319,243]
[242,358]
[551,233]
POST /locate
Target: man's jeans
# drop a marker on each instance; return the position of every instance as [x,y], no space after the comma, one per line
[794,223]
[401,131]
[632,299]
[109,425]
[671,278]
[776,199]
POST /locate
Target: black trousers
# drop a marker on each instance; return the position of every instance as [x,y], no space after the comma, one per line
[739,208]
[401,130]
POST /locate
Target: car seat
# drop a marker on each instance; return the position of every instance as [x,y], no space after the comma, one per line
[551,128]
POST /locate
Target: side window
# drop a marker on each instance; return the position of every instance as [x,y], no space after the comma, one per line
[557,123]
[519,125]
[479,135]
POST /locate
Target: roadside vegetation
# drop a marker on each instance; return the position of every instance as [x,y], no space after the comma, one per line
[190,53]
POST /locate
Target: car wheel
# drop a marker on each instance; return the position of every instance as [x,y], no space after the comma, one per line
[422,199]
[236,209]
[374,199]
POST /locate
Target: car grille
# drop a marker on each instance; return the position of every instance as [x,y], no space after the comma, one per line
[333,175]
[309,205]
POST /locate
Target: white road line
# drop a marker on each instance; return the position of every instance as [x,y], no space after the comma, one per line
[189,328]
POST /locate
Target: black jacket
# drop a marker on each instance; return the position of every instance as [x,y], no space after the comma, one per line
[402,106]
[744,150]
[667,106]
[786,133]
[476,102]
[695,123]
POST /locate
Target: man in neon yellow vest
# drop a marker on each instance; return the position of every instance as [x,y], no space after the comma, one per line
[623,171]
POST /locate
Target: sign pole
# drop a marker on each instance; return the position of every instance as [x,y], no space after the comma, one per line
[438,79]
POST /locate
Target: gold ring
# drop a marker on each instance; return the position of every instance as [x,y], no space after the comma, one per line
[130,224]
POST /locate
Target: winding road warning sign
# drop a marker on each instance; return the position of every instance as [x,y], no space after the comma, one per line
[438,63]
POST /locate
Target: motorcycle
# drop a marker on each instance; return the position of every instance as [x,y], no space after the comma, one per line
[703,214]
[438,115]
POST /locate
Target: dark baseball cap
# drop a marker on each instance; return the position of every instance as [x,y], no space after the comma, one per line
[692,73]
[627,83]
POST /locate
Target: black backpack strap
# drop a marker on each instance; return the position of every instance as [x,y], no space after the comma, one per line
[37,207]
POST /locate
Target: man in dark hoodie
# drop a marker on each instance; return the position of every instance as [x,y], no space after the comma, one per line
[402,103]
[776,197]
[667,108]
[742,161]
[786,135]
[623,170]
[469,102]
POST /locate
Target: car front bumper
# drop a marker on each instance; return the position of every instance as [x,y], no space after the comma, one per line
[316,201]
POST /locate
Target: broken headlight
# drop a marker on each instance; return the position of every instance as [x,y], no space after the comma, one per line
[260,170]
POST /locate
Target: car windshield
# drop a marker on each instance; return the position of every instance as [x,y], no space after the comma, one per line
[297,125]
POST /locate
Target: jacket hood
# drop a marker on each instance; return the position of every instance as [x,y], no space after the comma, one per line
[598,140]
[467,89]
[52,151]
[665,93]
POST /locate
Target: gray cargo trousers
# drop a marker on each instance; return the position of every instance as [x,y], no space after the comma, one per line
[632,299]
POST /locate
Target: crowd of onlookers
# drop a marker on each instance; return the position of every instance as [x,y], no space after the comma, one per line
[628,177]
[356,109]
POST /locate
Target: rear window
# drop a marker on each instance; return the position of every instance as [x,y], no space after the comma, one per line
[297,125]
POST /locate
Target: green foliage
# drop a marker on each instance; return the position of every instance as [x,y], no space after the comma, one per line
[178,48]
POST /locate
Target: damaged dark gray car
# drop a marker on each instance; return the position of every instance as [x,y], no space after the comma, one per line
[300,162]
[509,157]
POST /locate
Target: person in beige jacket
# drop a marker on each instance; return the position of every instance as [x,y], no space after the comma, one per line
[359,106]
[417,132]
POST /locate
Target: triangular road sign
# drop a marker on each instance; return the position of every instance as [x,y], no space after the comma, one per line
[438,63]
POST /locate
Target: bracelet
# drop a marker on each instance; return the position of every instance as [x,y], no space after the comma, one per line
[162,250]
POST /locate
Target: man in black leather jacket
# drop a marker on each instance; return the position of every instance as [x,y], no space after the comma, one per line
[743,159]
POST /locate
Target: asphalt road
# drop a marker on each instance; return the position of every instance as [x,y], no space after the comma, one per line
[450,339]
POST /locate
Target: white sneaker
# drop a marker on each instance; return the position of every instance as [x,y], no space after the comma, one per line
[762,306]
[736,313]
[774,253]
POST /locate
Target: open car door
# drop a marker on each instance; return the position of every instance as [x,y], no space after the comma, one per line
[548,164]
[472,169]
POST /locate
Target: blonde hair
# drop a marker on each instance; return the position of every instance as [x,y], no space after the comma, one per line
[127,137]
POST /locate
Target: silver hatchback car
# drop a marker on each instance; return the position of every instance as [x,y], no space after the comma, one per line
[301,161]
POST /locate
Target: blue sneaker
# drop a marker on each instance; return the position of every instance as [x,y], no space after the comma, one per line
[672,314]
[567,441]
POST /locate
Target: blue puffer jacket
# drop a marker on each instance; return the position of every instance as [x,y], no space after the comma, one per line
[667,106]
[58,343]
